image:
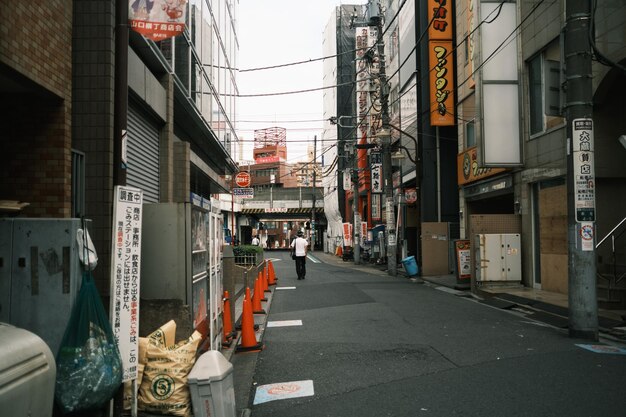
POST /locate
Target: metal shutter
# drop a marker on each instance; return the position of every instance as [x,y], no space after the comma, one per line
[143,154]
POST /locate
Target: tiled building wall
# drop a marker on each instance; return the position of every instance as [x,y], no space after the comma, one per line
[93,61]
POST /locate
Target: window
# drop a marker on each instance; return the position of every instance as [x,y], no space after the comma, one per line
[78,183]
[544,90]
[470,137]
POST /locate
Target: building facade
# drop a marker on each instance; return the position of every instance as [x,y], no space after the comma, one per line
[57,72]
[528,194]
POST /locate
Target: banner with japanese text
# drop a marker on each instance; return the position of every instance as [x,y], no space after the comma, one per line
[347,234]
[157,19]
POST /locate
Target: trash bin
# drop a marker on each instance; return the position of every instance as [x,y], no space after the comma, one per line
[27,373]
[211,386]
[410,266]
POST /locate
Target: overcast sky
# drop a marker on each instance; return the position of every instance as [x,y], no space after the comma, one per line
[273,32]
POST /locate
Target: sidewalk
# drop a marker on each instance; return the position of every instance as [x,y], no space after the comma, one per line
[544,306]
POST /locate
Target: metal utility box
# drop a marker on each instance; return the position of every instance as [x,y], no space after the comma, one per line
[27,373]
[182,247]
[498,257]
[211,386]
[40,275]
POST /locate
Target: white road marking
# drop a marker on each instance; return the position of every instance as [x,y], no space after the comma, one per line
[284,323]
[285,288]
[313,259]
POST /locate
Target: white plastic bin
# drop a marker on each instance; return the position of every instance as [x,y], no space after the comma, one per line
[27,374]
[211,386]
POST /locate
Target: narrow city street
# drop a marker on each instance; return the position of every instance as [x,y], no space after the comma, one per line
[352,341]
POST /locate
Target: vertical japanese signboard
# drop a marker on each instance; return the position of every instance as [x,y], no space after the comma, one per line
[377,178]
[367,85]
[347,234]
[125,271]
[157,19]
[376,215]
[441,73]
[584,180]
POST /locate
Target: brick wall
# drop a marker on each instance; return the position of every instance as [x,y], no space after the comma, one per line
[35,145]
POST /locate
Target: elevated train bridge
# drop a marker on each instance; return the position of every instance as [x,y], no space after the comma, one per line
[281,210]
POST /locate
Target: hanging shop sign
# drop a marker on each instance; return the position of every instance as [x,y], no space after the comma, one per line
[410,195]
[468,169]
[157,19]
[347,234]
[377,178]
[471,51]
[441,83]
[376,212]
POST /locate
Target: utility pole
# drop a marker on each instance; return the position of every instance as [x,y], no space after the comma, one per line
[356,230]
[583,304]
[385,138]
[313,234]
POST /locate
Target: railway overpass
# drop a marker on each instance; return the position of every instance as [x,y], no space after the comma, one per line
[282,210]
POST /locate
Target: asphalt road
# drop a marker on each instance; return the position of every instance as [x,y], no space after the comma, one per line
[374,345]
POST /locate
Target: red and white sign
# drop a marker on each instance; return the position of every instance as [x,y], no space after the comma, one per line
[157,19]
[347,234]
[242,179]
[267,159]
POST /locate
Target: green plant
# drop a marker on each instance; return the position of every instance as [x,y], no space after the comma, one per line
[246,250]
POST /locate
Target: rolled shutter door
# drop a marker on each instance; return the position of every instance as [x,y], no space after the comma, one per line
[143,154]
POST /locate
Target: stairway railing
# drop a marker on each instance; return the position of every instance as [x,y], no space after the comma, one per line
[615,277]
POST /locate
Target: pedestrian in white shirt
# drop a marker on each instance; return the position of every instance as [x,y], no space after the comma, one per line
[298,252]
[255,241]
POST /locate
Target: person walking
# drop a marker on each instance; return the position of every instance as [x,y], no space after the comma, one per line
[255,241]
[298,252]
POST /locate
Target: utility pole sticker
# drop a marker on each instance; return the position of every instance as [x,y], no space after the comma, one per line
[584,172]
[586,236]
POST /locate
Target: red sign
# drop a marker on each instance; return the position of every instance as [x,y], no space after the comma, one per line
[157,19]
[267,159]
[242,179]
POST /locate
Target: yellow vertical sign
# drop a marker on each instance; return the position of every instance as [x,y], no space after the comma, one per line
[441,74]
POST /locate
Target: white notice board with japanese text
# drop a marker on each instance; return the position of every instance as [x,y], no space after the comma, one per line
[125,274]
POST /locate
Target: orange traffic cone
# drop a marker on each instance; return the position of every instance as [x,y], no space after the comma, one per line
[339,251]
[272,275]
[238,323]
[248,337]
[227,323]
[256,298]
[266,280]
[261,278]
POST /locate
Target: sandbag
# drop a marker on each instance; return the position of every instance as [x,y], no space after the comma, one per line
[163,336]
[164,387]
